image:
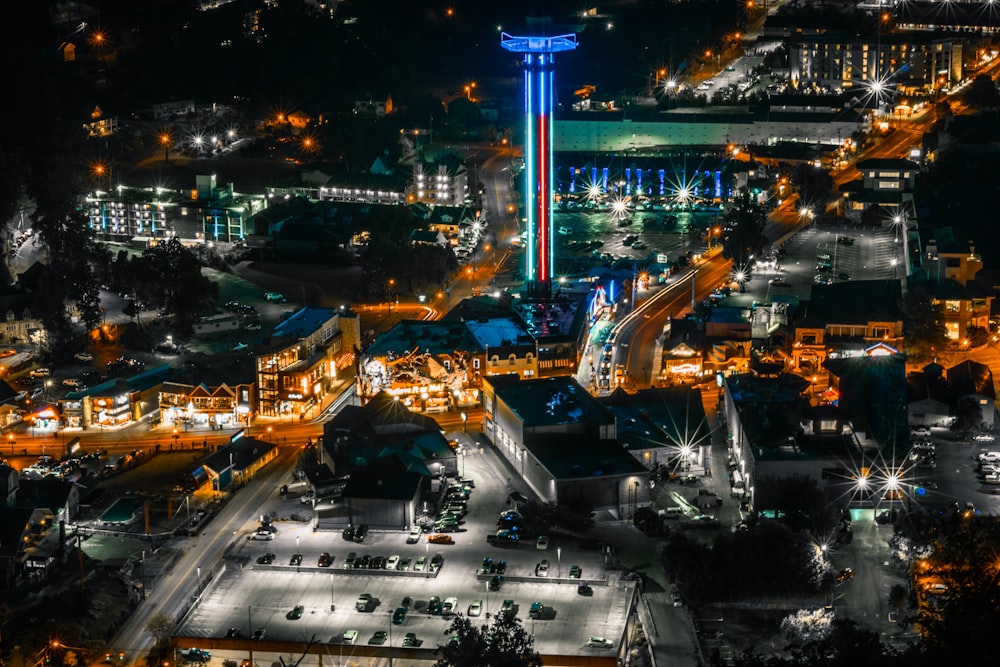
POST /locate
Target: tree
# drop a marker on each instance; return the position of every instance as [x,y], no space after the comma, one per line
[502,643]
[814,185]
[982,93]
[161,626]
[968,415]
[923,323]
[745,222]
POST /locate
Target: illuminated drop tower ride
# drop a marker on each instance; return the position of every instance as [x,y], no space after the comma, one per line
[539,102]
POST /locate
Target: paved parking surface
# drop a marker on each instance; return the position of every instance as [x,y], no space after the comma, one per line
[248,596]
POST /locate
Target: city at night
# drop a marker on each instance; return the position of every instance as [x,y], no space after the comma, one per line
[457,333]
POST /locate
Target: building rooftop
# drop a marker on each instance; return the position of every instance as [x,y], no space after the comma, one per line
[243,452]
[304,323]
[668,417]
[574,456]
[431,337]
[551,401]
[395,477]
[498,331]
[856,302]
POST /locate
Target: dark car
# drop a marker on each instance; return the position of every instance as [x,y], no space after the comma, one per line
[266,559]
[234,633]
[500,567]
[496,582]
[296,613]
[584,589]
[325,560]
[361,533]
[487,566]
[349,534]
[436,562]
[399,616]
[410,639]
[295,560]
[363,562]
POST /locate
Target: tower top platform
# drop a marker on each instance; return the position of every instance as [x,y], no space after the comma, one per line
[538,44]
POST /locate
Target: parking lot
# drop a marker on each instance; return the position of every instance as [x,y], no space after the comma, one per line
[249,596]
[864,253]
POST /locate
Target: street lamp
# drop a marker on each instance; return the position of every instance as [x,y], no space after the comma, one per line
[10,441]
[165,142]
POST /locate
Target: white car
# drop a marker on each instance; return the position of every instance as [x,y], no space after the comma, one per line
[450,606]
[542,543]
[414,535]
[542,569]
[983,437]
[350,636]
[83,356]
[599,642]
[392,563]
[476,608]
[920,431]
[263,535]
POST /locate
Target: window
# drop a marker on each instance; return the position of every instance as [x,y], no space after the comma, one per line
[447,364]
[512,359]
[952,306]
[880,332]
[809,339]
[475,363]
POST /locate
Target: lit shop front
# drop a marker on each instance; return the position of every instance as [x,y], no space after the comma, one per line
[201,406]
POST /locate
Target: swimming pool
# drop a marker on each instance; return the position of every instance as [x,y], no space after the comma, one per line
[123,510]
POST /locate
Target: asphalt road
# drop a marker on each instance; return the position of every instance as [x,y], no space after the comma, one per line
[639,332]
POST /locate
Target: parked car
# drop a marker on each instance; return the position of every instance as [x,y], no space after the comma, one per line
[410,639]
[599,642]
[575,571]
[476,608]
[350,636]
[440,538]
[378,638]
[296,613]
[266,559]
[414,535]
[542,543]
[325,560]
[983,437]
[83,356]
[542,569]
[295,560]
[496,583]
[399,616]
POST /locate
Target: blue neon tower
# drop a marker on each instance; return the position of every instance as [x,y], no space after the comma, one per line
[539,102]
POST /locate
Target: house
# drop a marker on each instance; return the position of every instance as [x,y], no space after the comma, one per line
[296,363]
[387,455]
[662,428]
[443,180]
[972,382]
[928,400]
[885,182]
[683,351]
[952,268]
[562,443]
[507,346]
[201,405]
[859,317]
[385,493]
[234,465]
[872,394]
[114,403]
[16,538]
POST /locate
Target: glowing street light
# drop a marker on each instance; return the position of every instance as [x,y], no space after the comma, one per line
[165,141]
